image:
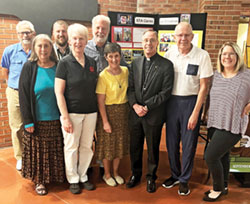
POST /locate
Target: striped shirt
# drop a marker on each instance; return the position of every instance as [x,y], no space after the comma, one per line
[228,97]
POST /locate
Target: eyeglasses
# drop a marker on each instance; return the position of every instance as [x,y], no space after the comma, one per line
[25,33]
[183,35]
[230,54]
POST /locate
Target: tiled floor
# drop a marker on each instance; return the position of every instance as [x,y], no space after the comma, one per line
[16,190]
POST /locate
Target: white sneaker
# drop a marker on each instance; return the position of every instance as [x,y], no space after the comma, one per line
[19,165]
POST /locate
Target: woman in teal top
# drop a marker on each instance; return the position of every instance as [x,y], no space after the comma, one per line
[43,160]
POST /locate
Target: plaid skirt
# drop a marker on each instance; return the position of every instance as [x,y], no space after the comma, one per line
[115,144]
[43,158]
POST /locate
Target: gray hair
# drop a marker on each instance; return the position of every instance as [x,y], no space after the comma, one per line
[27,23]
[33,55]
[79,29]
[150,30]
[101,17]
[184,24]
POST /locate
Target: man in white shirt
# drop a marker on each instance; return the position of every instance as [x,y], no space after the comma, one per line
[193,69]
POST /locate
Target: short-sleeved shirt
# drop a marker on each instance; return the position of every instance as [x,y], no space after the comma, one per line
[13,59]
[80,86]
[228,97]
[114,87]
[97,53]
[189,69]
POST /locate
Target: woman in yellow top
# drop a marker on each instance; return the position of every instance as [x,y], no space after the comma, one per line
[112,126]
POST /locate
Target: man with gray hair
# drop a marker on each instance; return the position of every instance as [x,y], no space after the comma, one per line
[193,69]
[150,84]
[95,47]
[14,56]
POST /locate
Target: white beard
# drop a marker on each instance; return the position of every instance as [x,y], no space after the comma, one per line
[101,40]
[26,42]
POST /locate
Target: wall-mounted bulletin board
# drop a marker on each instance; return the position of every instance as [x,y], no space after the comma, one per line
[127,29]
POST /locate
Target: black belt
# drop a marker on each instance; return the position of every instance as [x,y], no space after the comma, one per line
[14,89]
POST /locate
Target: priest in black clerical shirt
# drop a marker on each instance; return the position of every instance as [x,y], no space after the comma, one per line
[150,85]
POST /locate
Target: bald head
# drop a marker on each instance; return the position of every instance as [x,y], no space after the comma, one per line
[184,25]
[183,37]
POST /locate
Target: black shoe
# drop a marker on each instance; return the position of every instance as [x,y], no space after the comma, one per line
[207,198]
[170,182]
[183,189]
[88,186]
[101,170]
[225,192]
[75,188]
[151,187]
[133,181]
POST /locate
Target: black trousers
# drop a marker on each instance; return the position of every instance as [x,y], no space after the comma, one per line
[217,156]
[139,131]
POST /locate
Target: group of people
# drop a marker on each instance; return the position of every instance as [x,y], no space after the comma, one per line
[61,92]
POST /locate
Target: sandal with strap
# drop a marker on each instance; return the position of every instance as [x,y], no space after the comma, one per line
[41,190]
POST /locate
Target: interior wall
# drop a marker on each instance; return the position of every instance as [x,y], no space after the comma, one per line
[247,56]
[242,36]
[222,25]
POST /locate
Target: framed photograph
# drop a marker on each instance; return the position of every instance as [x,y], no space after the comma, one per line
[124,19]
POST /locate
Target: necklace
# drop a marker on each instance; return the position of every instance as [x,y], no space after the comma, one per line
[114,75]
[120,86]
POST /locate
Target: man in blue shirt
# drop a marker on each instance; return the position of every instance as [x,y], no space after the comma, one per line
[14,56]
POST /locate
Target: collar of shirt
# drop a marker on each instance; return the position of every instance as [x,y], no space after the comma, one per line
[190,54]
[67,50]
[151,59]
[93,45]
[73,59]
[20,49]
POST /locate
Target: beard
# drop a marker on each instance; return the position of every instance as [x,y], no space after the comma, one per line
[62,42]
[26,42]
[101,39]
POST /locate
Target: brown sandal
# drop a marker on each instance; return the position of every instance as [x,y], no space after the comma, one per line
[41,190]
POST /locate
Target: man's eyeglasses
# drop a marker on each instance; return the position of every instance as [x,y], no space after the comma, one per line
[25,33]
[183,35]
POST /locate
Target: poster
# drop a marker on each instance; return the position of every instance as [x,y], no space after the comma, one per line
[166,40]
[129,38]
[127,30]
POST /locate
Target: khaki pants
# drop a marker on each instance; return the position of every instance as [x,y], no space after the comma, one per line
[78,151]
[15,121]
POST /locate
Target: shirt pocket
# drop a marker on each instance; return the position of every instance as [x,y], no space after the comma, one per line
[16,61]
[192,69]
